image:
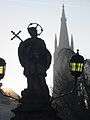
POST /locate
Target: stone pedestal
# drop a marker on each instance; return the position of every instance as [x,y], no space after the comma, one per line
[35,104]
[48,114]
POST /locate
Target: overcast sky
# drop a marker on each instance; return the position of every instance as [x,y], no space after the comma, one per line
[17,14]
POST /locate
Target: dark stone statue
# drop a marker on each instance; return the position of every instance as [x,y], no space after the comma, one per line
[35,59]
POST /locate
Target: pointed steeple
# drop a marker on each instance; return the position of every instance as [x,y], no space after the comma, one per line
[63,18]
[72,43]
[63,39]
[55,42]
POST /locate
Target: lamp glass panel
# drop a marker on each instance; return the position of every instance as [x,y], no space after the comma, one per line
[1,69]
[78,67]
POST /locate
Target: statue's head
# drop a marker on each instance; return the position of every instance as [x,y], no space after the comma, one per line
[32,31]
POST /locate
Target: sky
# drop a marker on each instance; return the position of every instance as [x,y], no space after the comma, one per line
[17,14]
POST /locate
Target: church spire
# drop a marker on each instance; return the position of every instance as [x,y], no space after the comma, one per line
[63,39]
[63,18]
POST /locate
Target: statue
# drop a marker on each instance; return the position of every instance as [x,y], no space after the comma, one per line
[34,56]
[35,59]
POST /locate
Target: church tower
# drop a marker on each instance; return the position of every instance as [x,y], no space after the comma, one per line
[63,43]
[62,78]
[63,37]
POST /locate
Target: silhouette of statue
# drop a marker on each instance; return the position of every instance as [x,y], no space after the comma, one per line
[34,57]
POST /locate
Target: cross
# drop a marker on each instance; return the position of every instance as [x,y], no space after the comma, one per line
[16,35]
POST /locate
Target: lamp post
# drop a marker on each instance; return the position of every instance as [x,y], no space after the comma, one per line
[76,67]
[2,68]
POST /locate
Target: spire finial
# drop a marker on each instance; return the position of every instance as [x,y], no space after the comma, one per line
[63,6]
[63,18]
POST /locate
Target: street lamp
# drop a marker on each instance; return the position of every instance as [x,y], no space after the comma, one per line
[2,68]
[80,89]
[76,65]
